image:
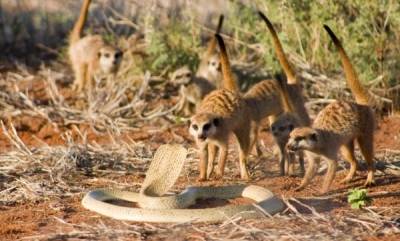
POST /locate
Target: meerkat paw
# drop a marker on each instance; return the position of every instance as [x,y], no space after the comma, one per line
[218,174]
[369,183]
[201,179]
[209,173]
[323,191]
[245,176]
[345,181]
[301,187]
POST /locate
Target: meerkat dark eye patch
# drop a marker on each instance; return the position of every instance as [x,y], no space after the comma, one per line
[290,127]
[299,138]
[195,127]
[313,137]
[188,75]
[216,122]
[207,126]
[118,55]
[273,128]
[106,55]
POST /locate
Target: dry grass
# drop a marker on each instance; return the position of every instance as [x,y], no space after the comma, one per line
[142,102]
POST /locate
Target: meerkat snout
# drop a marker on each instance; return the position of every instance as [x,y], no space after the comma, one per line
[110,60]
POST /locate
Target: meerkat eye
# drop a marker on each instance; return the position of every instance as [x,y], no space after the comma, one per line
[195,127]
[273,128]
[299,138]
[188,75]
[216,122]
[106,55]
[290,127]
[207,126]
[313,137]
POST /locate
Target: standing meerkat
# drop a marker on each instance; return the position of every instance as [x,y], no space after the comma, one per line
[193,88]
[221,112]
[210,65]
[90,55]
[336,128]
[282,125]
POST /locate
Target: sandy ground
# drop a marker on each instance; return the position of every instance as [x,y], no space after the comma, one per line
[60,216]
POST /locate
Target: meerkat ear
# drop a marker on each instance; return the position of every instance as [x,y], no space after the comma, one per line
[216,121]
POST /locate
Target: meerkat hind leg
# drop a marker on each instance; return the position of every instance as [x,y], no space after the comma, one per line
[367,150]
[348,154]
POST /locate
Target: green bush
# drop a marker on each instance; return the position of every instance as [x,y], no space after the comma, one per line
[366,28]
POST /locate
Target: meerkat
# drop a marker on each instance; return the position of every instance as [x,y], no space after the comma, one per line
[268,99]
[282,125]
[210,65]
[336,128]
[226,111]
[90,56]
[221,112]
[192,89]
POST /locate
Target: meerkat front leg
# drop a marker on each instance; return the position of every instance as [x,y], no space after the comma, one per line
[243,136]
[283,160]
[222,155]
[90,81]
[80,74]
[300,156]
[212,149]
[254,138]
[313,163]
[203,162]
[289,163]
[330,174]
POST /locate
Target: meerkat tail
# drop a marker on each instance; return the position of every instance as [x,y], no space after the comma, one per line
[228,80]
[80,23]
[213,43]
[360,93]
[287,103]
[291,77]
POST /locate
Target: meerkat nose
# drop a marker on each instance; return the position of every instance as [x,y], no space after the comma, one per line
[291,146]
[202,137]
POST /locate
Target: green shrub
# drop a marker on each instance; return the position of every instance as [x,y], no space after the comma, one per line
[358,198]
